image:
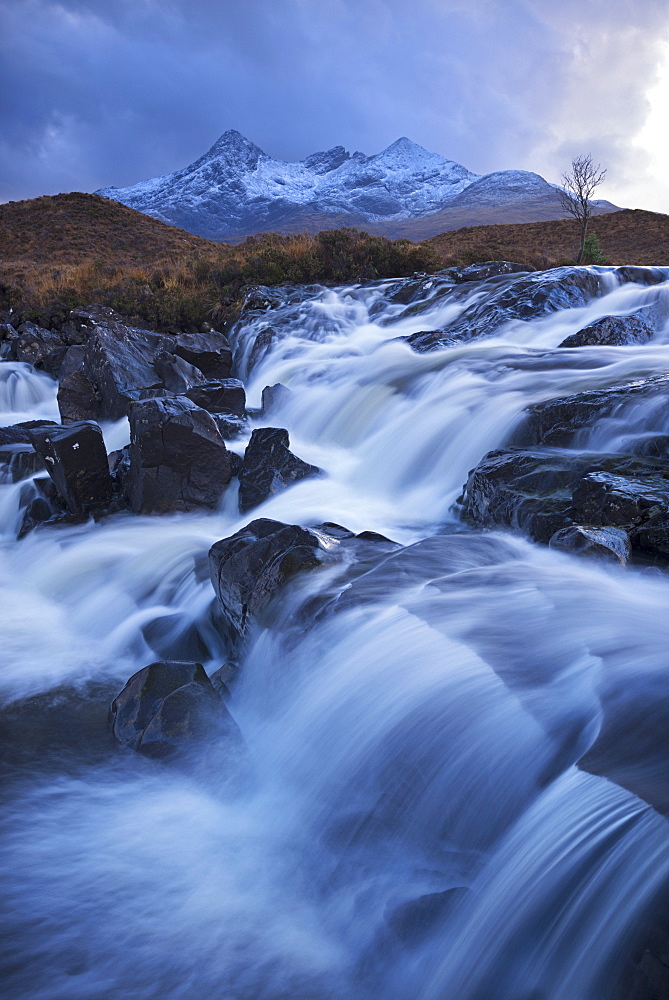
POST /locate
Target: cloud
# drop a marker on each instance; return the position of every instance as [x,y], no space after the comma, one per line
[112,91]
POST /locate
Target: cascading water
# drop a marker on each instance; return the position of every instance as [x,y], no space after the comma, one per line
[412,825]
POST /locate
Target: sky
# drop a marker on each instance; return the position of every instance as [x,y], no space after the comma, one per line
[110,92]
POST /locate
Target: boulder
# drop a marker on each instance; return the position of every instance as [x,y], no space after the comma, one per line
[178,459]
[637,501]
[176,374]
[170,707]
[41,502]
[250,567]
[526,490]
[82,321]
[273,396]
[7,332]
[556,421]
[269,467]
[73,360]
[18,458]
[222,396]
[118,364]
[44,349]
[230,427]
[613,331]
[209,352]
[76,460]
[544,491]
[610,544]
[78,398]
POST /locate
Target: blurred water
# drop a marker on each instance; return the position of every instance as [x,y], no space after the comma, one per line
[413,824]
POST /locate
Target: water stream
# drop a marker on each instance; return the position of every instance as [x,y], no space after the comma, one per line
[412,825]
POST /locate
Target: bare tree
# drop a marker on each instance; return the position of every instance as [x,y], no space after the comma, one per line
[576,195]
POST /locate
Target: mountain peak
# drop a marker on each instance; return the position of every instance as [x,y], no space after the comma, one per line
[329,159]
[233,143]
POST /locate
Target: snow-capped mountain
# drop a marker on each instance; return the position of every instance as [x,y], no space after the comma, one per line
[236,189]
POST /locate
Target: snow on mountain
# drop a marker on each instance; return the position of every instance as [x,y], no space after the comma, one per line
[236,189]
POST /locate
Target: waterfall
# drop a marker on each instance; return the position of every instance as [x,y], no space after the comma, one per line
[413,824]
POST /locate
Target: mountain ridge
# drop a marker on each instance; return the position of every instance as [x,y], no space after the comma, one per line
[235,189]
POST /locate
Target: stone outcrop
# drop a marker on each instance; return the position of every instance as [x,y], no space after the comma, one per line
[614,331]
[76,460]
[269,466]
[221,396]
[178,459]
[546,491]
[250,568]
[170,707]
[557,421]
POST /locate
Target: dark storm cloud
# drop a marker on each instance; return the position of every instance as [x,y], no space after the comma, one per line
[99,92]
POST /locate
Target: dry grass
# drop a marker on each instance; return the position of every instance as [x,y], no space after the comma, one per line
[631,236]
[69,250]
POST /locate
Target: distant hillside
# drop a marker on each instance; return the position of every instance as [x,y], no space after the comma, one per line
[72,228]
[629,236]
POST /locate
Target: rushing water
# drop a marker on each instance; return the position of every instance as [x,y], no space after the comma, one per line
[411,825]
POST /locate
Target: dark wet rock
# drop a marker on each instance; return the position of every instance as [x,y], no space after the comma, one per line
[37,512]
[273,396]
[76,460]
[236,462]
[119,470]
[176,636]
[78,398]
[82,321]
[230,426]
[220,396]
[44,349]
[18,458]
[261,297]
[522,298]
[169,707]
[261,347]
[250,567]
[488,269]
[178,459]
[73,360]
[640,275]
[176,374]
[209,352]
[119,366]
[611,544]
[544,491]
[269,467]
[527,490]
[637,502]
[223,678]
[613,331]
[42,504]
[556,422]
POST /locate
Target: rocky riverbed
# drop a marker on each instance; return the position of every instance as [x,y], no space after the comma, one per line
[335,644]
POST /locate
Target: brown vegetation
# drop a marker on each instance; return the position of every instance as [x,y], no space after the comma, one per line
[68,250]
[631,236]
